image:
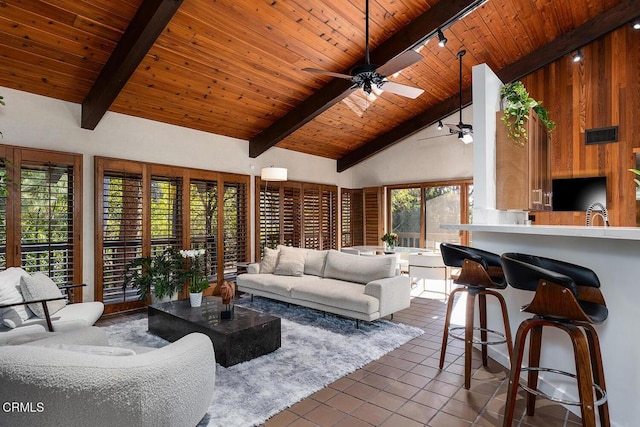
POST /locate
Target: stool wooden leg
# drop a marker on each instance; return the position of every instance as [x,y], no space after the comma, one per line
[447,321]
[583,372]
[468,337]
[598,371]
[505,321]
[516,366]
[535,344]
[482,305]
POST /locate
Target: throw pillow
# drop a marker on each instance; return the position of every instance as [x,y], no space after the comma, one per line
[290,261]
[268,263]
[9,294]
[37,287]
[314,263]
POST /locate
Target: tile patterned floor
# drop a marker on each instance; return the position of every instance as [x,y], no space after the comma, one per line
[405,388]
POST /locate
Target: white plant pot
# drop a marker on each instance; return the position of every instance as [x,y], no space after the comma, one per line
[196,299]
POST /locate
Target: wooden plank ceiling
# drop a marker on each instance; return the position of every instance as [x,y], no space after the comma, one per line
[234,67]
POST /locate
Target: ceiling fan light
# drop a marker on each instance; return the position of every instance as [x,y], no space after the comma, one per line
[578,55]
[465,137]
[442,40]
[440,126]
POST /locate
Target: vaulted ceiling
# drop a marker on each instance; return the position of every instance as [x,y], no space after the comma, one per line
[234,67]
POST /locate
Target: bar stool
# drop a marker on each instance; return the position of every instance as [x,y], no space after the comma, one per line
[567,297]
[481,273]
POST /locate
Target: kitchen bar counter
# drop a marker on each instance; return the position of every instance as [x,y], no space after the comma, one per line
[614,254]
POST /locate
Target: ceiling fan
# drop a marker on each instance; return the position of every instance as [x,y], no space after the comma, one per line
[463,131]
[367,75]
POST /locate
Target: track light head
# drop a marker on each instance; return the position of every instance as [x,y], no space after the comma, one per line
[440,125]
[442,40]
[578,55]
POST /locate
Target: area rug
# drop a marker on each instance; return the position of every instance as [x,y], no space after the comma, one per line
[316,351]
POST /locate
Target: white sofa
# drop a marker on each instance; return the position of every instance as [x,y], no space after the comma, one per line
[363,288]
[57,382]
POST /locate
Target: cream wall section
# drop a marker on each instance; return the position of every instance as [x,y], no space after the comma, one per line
[39,122]
[411,160]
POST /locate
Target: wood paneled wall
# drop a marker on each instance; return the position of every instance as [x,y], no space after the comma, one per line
[602,90]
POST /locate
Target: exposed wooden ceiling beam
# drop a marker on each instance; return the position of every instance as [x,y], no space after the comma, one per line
[332,93]
[602,24]
[143,30]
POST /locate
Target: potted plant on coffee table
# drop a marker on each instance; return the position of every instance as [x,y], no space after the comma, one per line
[161,275]
[197,280]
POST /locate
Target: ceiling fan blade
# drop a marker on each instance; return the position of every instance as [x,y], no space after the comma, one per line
[327,73]
[402,90]
[398,63]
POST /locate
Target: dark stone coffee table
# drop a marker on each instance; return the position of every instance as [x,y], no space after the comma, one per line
[248,335]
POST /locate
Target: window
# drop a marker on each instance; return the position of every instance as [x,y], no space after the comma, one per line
[41,213]
[146,208]
[417,212]
[296,214]
[352,217]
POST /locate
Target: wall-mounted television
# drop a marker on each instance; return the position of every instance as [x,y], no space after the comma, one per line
[577,194]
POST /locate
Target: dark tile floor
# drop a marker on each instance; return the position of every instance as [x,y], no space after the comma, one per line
[406,388]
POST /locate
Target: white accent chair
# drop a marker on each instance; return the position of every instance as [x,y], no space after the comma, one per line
[61,381]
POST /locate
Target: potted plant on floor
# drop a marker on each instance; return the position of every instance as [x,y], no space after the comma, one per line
[197,280]
[163,275]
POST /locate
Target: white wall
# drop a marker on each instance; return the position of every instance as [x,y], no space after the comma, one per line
[35,121]
[413,160]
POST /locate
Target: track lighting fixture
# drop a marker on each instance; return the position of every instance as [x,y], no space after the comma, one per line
[578,55]
[442,40]
[636,25]
[440,125]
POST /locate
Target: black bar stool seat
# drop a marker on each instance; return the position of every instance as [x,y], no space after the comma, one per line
[567,297]
[480,275]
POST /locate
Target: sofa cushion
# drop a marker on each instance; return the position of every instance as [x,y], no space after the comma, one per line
[37,287]
[269,260]
[290,261]
[359,269]
[314,263]
[279,285]
[336,293]
[9,294]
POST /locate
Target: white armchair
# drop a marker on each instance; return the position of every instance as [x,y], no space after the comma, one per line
[61,386]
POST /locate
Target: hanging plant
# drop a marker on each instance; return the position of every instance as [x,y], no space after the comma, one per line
[517,104]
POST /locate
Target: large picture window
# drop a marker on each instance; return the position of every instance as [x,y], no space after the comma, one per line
[416,213]
[41,213]
[296,214]
[142,209]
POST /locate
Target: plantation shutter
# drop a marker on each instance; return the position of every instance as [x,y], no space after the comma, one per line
[204,224]
[372,212]
[4,189]
[352,217]
[291,216]
[166,214]
[296,214]
[328,219]
[311,215]
[46,220]
[121,201]
[269,217]
[235,226]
